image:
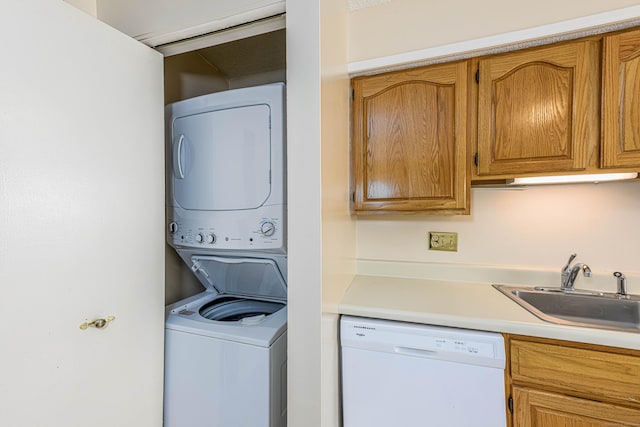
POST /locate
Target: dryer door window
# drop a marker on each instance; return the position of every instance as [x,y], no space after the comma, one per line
[221,160]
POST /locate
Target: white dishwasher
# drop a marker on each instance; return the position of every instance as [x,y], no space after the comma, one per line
[408,374]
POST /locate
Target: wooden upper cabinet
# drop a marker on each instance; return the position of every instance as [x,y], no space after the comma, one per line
[410,141]
[538,110]
[621,100]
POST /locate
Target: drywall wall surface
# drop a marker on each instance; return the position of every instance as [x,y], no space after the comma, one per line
[398,26]
[338,228]
[87,6]
[525,227]
[304,334]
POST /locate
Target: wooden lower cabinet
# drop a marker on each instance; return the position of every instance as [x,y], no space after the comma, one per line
[567,384]
[535,408]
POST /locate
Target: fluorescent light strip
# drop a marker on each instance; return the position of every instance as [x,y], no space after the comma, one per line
[572,179]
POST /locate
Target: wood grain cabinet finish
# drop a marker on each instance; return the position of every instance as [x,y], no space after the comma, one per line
[538,109]
[565,384]
[533,408]
[410,141]
[621,100]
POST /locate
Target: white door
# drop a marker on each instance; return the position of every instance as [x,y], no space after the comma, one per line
[81,231]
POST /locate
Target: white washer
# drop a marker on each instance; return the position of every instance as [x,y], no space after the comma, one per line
[226,348]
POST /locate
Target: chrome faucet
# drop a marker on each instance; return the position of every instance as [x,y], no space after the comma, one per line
[569,273]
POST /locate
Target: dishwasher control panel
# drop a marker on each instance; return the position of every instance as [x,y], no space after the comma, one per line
[436,342]
[462,346]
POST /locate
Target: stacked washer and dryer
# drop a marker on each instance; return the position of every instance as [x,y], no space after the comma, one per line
[226,348]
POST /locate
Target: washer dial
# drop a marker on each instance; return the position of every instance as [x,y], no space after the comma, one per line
[267,228]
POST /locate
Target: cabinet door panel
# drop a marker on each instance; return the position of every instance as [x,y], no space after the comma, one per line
[410,140]
[596,373]
[545,118]
[533,408]
[621,100]
[400,145]
[537,110]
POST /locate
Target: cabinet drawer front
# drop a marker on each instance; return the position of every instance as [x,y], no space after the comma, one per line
[594,373]
[538,408]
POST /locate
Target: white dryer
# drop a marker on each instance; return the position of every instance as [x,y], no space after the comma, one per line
[225,348]
[226,171]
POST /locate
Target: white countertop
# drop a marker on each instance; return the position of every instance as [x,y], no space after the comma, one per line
[471,305]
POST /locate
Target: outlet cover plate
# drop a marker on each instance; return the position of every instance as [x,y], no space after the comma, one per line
[443,241]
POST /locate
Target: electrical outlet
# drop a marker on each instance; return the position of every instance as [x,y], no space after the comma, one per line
[442,241]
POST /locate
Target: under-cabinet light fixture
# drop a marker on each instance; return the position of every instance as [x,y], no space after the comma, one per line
[572,179]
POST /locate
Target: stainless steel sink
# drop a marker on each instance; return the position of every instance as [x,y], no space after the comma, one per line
[578,308]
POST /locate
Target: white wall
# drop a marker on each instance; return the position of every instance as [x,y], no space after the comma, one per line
[321,233]
[535,226]
[87,6]
[304,208]
[189,75]
[399,26]
[338,228]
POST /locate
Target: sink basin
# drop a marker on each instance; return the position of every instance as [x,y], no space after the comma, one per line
[578,308]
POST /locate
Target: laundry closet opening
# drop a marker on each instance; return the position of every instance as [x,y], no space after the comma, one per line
[250,61]
[225,145]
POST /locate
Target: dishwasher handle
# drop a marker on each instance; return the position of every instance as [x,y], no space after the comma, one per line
[408,351]
[449,356]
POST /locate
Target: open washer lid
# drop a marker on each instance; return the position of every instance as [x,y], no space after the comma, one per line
[257,277]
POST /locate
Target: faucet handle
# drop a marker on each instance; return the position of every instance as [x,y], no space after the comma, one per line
[567,267]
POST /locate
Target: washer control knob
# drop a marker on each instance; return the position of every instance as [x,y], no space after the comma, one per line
[267,228]
[211,238]
[199,238]
[173,227]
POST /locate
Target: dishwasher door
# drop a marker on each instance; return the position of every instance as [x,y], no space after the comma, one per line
[406,374]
